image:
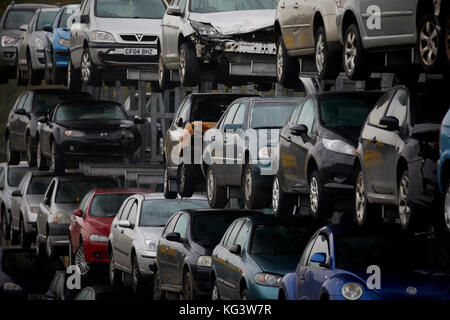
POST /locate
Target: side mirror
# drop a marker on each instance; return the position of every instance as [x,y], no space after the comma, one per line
[138,120]
[78,212]
[174,237]
[47,28]
[51,295]
[23,27]
[232,127]
[235,249]
[17,194]
[298,130]
[173,11]
[390,123]
[125,224]
[321,259]
[85,19]
[20,112]
[180,123]
[42,119]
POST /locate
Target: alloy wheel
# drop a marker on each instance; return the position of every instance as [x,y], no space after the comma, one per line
[320,53]
[38,155]
[275,194]
[85,67]
[280,61]
[210,185]
[350,52]
[80,261]
[8,150]
[360,200]
[314,194]
[403,209]
[215,292]
[429,43]
[248,184]
[182,59]
[447,207]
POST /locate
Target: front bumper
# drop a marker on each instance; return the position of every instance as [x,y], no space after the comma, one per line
[336,170]
[8,58]
[96,252]
[202,279]
[146,261]
[61,57]
[258,292]
[38,59]
[423,187]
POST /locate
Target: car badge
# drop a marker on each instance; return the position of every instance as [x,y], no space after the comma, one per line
[103,134]
[139,36]
[411,291]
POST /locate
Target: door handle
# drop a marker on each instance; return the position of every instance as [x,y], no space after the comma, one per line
[296,5]
[213,138]
[225,140]
[289,138]
[374,140]
[283,5]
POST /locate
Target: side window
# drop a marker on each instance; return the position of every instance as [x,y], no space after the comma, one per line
[184,113]
[230,114]
[240,115]
[306,251]
[83,5]
[126,209]
[49,193]
[27,103]
[307,115]
[133,213]
[20,101]
[320,246]
[295,113]
[182,224]
[399,106]
[242,236]
[85,202]
[86,8]
[227,233]
[182,5]
[380,109]
[230,241]
[170,225]
[2,178]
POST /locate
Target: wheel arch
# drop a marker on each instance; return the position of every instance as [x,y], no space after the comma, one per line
[311,166]
[317,22]
[424,7]
[402,165]
[348,19]
[277,30]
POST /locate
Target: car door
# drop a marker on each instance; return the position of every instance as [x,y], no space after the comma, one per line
[14,120]
[171,31]
[22,122]
[303,34]
[78,222]
[163,255]
[176,252]
[115,231]
[45,133]
[176,131]
[80,32]
[301,269]
[287,21]
[16,201]
[44,209]
[126,235]
[235,146]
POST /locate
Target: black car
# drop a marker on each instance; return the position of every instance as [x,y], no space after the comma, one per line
[182,172]
[86,130]
[238,151]
[183,260]
[22,126]
[316,153]
[397,155]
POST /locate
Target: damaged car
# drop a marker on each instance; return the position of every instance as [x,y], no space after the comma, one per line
[232,40]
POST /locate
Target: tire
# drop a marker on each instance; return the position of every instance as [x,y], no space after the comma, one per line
[215,295]
[25,241]
[14,236]
[355,58]
[74,83]
[90,75]
[217,196]
[20,79]
[321,205]
[430,47]
[163,74]
[366,213]
[189,65]
[48,73]
[12,156]
[411,219]
[255,198]
[41,160]
[40,250]
[188,292]
[31,153]
[158,294]
[244,294]
[115,276]
[186,180]
[57,163]
[325,58]
[168,194]
[34,76]
[4,229]
[137,281]
[50,247]
[288,68]
[80,261]
[283,203]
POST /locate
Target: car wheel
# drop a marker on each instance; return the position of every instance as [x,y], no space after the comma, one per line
[217,196]
[31,153]
[12,156]
[430,49]
[255,198]
[47,71]
[41,161]
[189,65]
[40,250]
[168,194]
[25,241]
[186,180]
[409,216]
[188,287]
[137,281]
[244,294]
[57,164]
[365,213]
[158,294]
[14,236]
[4,225]
[50,247]
[163,74]
[115,275]
[325,57]
[34,76]
[20,79]
[356,65]
[90,75]
[288,68]
[74,83]
[282,203]
[80,261]
[215,291]
[321,205]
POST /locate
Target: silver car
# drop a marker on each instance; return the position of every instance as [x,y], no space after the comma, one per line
[61,198]
[25,206]
[10,177]
[217,35]
[113,35]
[30,48]
[135,233]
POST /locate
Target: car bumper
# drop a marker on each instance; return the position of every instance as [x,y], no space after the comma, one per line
[336,170]
[423,187]
[38,59]
[258,292]
[146,261]
[202,279]
[85,149]
[96,252]
[8,58]
[61,57]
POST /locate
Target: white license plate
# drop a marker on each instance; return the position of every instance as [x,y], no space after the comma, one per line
[140,51]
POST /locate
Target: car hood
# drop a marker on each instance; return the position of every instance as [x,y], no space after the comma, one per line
[277,263]
[236,22]
[67,208]
[15,33]
[100,225]
[124,26]
[347,134]
[151,233]
[34,199]
[96,124]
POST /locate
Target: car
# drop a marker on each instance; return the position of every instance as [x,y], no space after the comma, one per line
[102,293]
[208,36]
[183,261]
[25,206]
[85,131]
[90,226]
[197,111]
[306,29]
[315,153]
[61,198]
[248,132]
[259,250]
[58,289]
[444,167]
[30,47]
[113,35]
[10,177]
[56,51]
[22,126]
[348,263]
[134,236]
[395,164]
[383,25]
[15,16]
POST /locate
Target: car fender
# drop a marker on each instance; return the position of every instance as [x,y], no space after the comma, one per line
[288,285]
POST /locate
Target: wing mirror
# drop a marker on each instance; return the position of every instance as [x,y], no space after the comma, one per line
[138,120]
[17,193]
[236,249]
[298,130]
[21,112]
[174,237]
[78,212]
[180,123]
[47,28]
[51,295]
[42,119]
[85,19]
[174,11]
[320,258]
[23,27]
[125,224]
[390,123]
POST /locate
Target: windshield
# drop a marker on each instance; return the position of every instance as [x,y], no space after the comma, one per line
[389,252]
[143,9]
[45,17]
[38,185]
[16,18]
[92,111]
[210,227]
[74,191]
[45,102]
[270,115]
[155,213]
[15,175]
[429,108]
[279,239]
[210,110]
[206,6]
[107,205]
[67,17]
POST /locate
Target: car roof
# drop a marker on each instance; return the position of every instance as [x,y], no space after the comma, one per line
[160,196]
[85,102]
[20,165]
[80,177]
[215,94]
[117,191]
[271,219]
[345,93]
[243,212]
[29,6]
[49,9]
[58,91]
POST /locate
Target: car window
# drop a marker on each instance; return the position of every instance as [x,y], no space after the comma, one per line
[107,205]
[208,229]
[232,237]
[126,209]
[19,103]
[184,113]
[320,246]
[182,225]
[17,18]
[306,251]
[143,9]
[207,6]
[49,193]
[67,16]
[270,115]
[2,178]
[100,110]
[230,114]
[27,103]
[207,109]
[182,4]
[15,175]
[380,109]
[74,191]
[399,106]
[45,102]
[295,113]
[85,202]
[307,115]
[240,115]
[38,185]
[133,212]
[87,7]
[170,225]
[242,236]
[45,17]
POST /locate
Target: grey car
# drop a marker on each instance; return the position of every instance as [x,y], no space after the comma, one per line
[135,234]
[366,26]
[25,206]
[12,19]
[113,35]
[61,198]
[30,47]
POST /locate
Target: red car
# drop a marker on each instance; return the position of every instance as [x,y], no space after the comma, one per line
[89,229]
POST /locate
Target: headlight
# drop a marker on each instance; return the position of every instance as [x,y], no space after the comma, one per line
[61,218]
[127,135]
[267,279]
[352,291]
[8,41]
[39,43]
[34,210]
[265,153]
[204,261]
[98,238]
[63,42]
[101,36]
[338,146]
[152,245]
[204,29]
[11,286]
[74,133]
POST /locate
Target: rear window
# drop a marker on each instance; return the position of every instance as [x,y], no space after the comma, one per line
[210,227]
[45,17]
[45,102]
[271,115]
[17,18]
[74,191]
[107,205]
[38,185]
[15,175]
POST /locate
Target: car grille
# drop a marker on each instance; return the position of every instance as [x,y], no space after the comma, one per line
[128,59]
[134,38]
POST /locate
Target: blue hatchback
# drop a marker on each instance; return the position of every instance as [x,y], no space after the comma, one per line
[57,47]
[444,166]
[348,263]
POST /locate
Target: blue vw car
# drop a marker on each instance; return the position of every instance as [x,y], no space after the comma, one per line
[254,254]
[349,263]
[444,166]
[57,48]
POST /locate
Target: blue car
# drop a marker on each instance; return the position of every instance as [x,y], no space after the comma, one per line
[57,47]
[255,253]
[349,263]
[444,166]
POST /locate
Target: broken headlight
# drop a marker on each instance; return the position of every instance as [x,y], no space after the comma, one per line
[204,29]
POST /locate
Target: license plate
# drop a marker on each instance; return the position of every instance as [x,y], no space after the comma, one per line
[140,51]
